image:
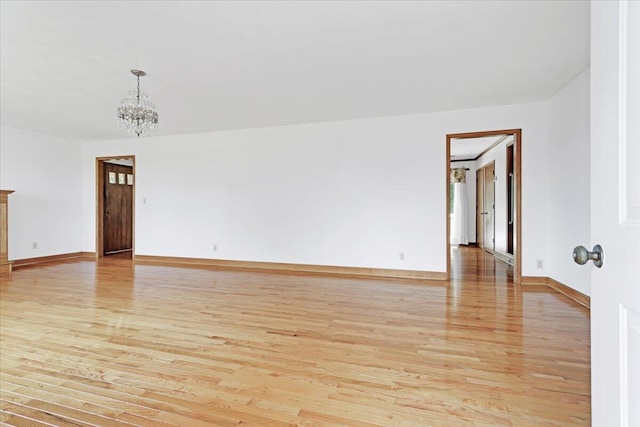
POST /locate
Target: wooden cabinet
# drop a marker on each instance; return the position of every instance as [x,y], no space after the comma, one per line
[5,265]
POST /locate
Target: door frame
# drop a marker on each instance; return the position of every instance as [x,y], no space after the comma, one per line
[100,161]
[517,170]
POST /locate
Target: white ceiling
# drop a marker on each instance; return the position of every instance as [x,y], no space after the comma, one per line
[470,148]
[64,66]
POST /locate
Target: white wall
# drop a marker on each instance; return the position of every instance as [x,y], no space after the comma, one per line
[471,196]
[46,208]
[569,169]
[351,193]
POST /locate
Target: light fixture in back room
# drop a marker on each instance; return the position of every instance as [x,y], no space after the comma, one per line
[136,113]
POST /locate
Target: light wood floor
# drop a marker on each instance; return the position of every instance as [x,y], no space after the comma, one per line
[116,344]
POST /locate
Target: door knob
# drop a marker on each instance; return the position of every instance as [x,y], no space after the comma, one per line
[581,255]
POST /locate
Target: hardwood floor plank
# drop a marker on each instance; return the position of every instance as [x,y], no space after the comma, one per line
[14,419]
[39,386]
[23,414]
[56,406]
[114,343]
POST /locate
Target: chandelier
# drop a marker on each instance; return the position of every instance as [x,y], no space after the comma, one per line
[136,113]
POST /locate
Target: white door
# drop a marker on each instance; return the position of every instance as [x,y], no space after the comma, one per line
[615,212]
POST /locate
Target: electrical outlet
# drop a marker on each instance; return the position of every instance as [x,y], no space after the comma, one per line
[540,263]
[34,245]
[401,256]
[215,248]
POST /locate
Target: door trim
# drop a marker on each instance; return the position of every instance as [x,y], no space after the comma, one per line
[517,170]
[100,204]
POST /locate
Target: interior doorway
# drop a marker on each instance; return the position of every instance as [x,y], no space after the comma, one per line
[494,158]
[115,204]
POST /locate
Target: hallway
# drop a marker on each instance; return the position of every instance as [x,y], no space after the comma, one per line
[471,263]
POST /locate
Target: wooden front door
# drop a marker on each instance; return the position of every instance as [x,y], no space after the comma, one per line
[118,208]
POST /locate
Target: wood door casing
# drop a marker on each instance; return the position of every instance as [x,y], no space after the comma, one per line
[517,200]
[118,210]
